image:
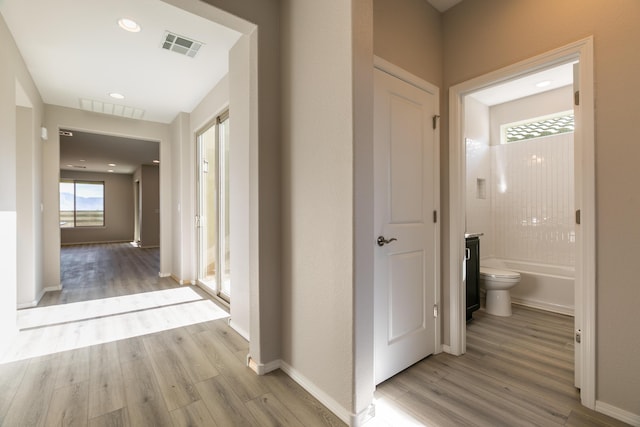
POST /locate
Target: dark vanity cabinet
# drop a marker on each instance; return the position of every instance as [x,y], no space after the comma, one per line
[472,255]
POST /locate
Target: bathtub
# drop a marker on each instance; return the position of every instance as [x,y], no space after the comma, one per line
[546,287]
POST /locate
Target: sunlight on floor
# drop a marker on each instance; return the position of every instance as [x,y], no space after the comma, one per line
[52,329]
[389,413]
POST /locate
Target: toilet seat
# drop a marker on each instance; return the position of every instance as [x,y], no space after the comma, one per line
[499,275]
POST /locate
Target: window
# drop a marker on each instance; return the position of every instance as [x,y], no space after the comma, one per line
[81,204]
[537,128]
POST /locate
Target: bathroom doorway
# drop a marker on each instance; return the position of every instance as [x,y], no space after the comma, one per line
[493,176]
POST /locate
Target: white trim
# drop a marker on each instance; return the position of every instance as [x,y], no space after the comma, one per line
[617,413]
[263,368]
[36,301]
[446,349]
[161,274]
[585,274]
[363,416]
[407,77]
[319,394]
[545,306]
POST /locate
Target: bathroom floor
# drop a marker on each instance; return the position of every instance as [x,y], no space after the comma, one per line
[518,370]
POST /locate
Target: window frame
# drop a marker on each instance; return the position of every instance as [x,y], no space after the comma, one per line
[75,182]
[505,126]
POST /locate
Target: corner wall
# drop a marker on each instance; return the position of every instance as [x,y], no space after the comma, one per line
[20,183]
[317,165]
[480,37]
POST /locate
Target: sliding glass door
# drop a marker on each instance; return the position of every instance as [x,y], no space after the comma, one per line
[213,208]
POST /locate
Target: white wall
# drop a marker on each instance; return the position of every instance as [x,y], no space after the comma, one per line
[533,200]
[318,196]
[18,153]
[60,117]
[478,159]
[532,185]
[181,201]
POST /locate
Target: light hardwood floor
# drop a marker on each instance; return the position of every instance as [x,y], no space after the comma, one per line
[517,372]
[192,375]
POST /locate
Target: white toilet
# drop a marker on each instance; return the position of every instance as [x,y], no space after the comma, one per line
[498,283]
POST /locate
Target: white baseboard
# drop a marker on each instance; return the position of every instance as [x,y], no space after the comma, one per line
[617,413]
[263,368]
[319,394]
[180,281]
[446,348]
[35,302]
[161,274]
[546,306]
[359,419]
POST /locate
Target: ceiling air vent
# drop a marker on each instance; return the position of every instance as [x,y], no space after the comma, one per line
[97,106]
[180,44]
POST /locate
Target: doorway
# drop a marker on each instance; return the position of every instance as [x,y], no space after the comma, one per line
[582,52]
[214,253]
[406,201]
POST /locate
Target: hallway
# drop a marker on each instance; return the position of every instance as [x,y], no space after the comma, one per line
[93,271]
[119,346]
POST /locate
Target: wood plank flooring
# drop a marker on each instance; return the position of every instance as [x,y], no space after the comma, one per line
[191,375]
[517,372]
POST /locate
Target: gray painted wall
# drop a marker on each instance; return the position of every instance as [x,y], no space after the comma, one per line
[150,206]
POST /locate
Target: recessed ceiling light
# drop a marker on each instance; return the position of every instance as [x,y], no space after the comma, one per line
[116,95]
[128,24]
[69,166]
[112,164]
[156,161]
[543,83]
[110,170]
[82,160]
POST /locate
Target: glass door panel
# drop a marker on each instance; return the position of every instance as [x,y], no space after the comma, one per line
[207,210]
[213,208]
[225,251]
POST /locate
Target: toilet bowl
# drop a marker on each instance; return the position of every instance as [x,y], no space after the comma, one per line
[498,283]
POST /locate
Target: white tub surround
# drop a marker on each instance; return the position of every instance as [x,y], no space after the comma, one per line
[542,286]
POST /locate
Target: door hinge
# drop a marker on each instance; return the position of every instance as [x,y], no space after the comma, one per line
[435,310]
[576,97]
[435,121]
[435,216]
[578,336]
[578,216]
[197,221]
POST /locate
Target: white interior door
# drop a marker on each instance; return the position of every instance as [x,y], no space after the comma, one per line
[405,185]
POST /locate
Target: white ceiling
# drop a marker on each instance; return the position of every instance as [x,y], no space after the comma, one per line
[559,76]
[75,49]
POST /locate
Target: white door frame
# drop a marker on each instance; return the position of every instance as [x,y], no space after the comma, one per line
[585,201]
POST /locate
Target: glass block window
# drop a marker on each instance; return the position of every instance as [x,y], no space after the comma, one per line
[538,127]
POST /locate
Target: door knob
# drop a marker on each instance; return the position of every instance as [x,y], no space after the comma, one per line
[382,241]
